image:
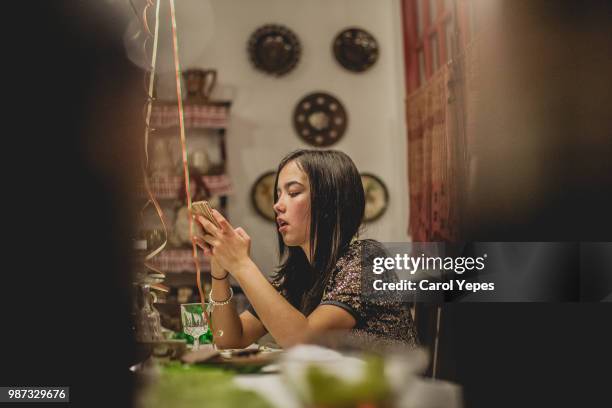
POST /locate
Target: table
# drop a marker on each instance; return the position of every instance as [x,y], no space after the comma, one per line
[182,386]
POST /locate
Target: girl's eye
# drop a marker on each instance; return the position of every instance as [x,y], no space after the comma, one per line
[294,194]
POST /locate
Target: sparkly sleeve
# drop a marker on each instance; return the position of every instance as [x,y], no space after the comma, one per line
[344,288]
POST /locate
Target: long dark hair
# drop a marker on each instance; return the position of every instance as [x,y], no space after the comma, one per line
[337,204]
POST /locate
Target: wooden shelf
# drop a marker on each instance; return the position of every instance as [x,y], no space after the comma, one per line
[203,115]
[179,260]
[169,187]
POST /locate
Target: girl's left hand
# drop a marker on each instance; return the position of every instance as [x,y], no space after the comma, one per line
[229,246]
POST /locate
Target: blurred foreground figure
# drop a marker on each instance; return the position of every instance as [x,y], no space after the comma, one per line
[541,168]
[75,107]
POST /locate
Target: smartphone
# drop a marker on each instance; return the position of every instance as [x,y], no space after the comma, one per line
[203,208]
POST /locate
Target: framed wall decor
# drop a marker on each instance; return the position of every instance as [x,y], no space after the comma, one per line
[320,119]
[376,197]
[355,49]
[262,195]
[274,49]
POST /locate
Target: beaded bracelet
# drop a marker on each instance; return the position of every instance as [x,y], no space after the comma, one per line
[223,302]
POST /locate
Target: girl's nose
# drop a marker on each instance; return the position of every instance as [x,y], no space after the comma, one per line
[279,207]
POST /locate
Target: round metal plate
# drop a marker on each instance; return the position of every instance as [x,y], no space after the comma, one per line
[262,195]
[274,49]
[320,119]
[355,49]
[376,196]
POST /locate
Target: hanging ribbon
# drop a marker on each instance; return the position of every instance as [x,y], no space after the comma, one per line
[148,107]
[179,97]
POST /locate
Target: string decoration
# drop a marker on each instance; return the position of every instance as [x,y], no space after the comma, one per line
[149,83]
[179,97]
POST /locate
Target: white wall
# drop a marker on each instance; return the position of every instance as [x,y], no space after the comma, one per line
[261,130]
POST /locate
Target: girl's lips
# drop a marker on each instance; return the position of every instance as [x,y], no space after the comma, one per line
[283,228]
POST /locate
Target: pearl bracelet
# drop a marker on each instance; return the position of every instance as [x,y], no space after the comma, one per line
[223,302]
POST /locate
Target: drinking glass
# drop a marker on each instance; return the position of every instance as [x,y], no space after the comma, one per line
[194,322]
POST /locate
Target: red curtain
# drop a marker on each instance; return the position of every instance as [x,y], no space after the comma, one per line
[432,136]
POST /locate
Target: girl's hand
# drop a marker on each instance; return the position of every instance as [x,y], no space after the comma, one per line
[216,270]
[230,247]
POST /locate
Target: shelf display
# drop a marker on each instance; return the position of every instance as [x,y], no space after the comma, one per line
[205,115]
[176,260]
[169,187]
[162,164]
[205,123]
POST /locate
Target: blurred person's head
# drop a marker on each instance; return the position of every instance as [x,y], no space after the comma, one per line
[542,142]
[81,123]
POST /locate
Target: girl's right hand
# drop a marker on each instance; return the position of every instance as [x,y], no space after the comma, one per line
[230,246]
[217,270]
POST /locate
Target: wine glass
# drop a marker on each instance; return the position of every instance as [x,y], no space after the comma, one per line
[194,322]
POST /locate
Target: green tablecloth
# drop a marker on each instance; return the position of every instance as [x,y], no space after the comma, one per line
[186,386]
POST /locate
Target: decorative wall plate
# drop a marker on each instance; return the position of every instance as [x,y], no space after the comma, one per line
[376,197]
[355,49]
[262,195]
[320,119]
[274,49]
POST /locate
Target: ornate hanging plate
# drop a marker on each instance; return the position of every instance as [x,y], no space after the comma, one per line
[376,197]
[355,49]
[262,195]
[320,119]
[274,49]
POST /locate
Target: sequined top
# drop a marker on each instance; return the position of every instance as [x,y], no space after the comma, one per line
[376,317]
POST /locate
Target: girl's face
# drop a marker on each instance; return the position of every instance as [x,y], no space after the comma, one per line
[293,206]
